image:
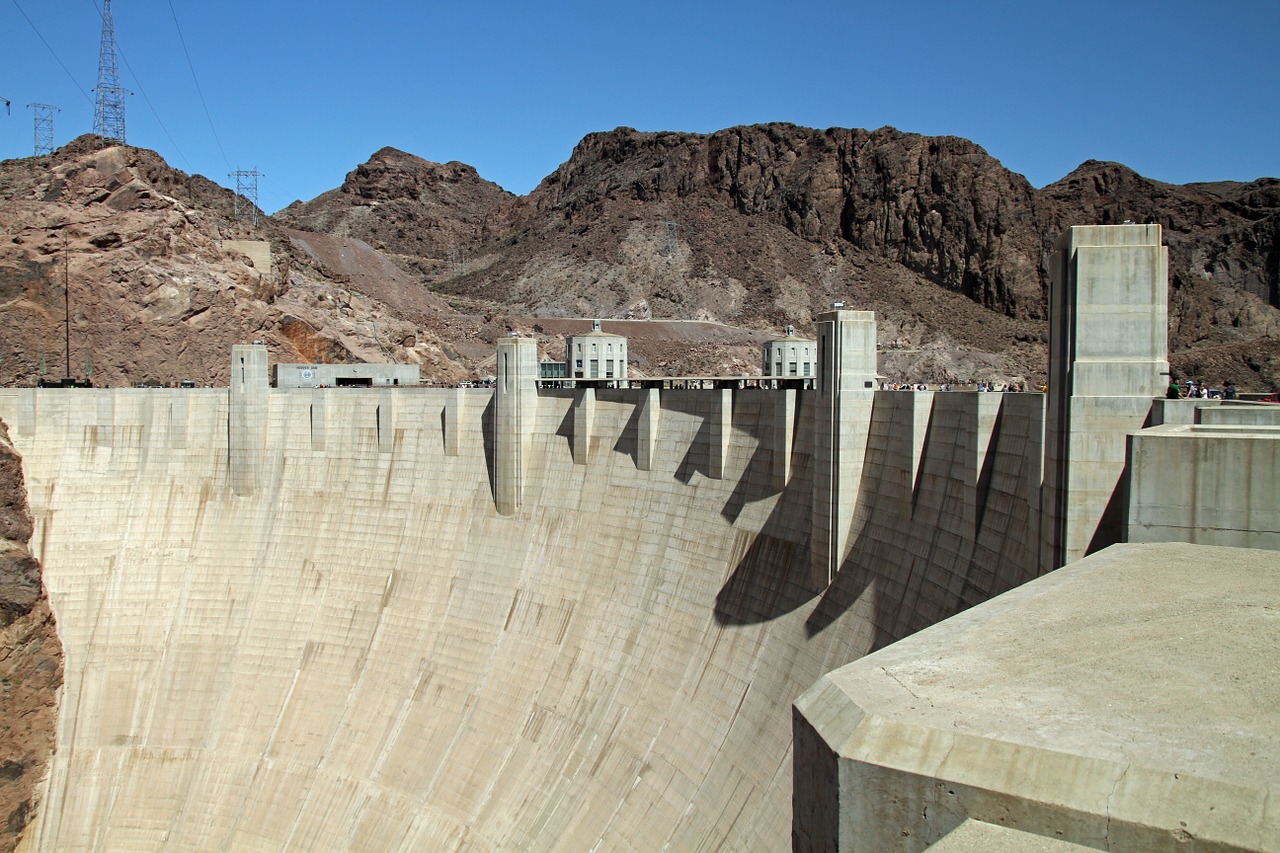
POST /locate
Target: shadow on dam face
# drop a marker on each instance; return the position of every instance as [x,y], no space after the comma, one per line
[362,654]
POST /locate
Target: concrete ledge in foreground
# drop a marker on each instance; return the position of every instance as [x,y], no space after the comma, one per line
[1128,701]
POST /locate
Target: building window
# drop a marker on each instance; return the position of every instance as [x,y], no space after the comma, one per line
[595,369]
[806,368]
[793,368]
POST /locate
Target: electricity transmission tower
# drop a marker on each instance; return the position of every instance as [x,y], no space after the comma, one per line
[246,193]
[44,127]
[108,112]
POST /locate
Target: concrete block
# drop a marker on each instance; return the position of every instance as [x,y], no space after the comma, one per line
[257,251]
[1022,711]
[1206,484]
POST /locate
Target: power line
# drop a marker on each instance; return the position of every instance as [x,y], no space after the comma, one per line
[196,80]
[52,52]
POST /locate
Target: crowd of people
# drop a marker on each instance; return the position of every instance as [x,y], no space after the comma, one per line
[1194,390]
[1011,387]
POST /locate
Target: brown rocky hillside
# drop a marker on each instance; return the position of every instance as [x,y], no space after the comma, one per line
[30,658]
[747,229]
[155,294]
[764,225]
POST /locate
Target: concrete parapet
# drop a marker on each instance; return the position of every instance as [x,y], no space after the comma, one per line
[1240,414]
[1207,484]
[1120,703]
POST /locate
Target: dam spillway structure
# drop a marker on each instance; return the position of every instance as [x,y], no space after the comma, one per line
[526,619]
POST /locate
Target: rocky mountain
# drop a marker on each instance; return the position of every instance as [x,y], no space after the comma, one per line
[766,225]
[747,229]
[427,216]
[154,273]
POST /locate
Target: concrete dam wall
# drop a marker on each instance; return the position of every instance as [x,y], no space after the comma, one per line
[352,649]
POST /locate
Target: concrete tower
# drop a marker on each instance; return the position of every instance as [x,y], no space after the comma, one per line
[515,405]
[846,387]
[1108,358]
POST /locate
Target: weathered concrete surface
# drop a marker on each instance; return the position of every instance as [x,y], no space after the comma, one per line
[1212,484]
[1125,702]
[360,653]
[974,836]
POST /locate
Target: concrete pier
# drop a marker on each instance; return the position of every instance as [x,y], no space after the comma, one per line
[1108,359]
[846,387]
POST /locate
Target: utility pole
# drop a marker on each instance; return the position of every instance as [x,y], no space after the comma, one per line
[44,127]
[246,193]
[66,286]
[108,113]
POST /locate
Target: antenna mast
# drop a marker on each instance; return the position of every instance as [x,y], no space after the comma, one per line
[108,113]
[44,127]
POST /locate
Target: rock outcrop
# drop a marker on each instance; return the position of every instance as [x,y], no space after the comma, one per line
[153,264]
[30,658]
[429,216]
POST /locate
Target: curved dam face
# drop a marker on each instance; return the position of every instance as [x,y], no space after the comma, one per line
[358,652]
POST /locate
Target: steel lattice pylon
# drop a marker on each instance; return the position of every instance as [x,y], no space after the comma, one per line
[44,127]
[246,193]
[108,113]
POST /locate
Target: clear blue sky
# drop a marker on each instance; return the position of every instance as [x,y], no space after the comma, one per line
[1178,90]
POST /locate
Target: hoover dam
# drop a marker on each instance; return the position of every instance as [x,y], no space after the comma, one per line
[525,619]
